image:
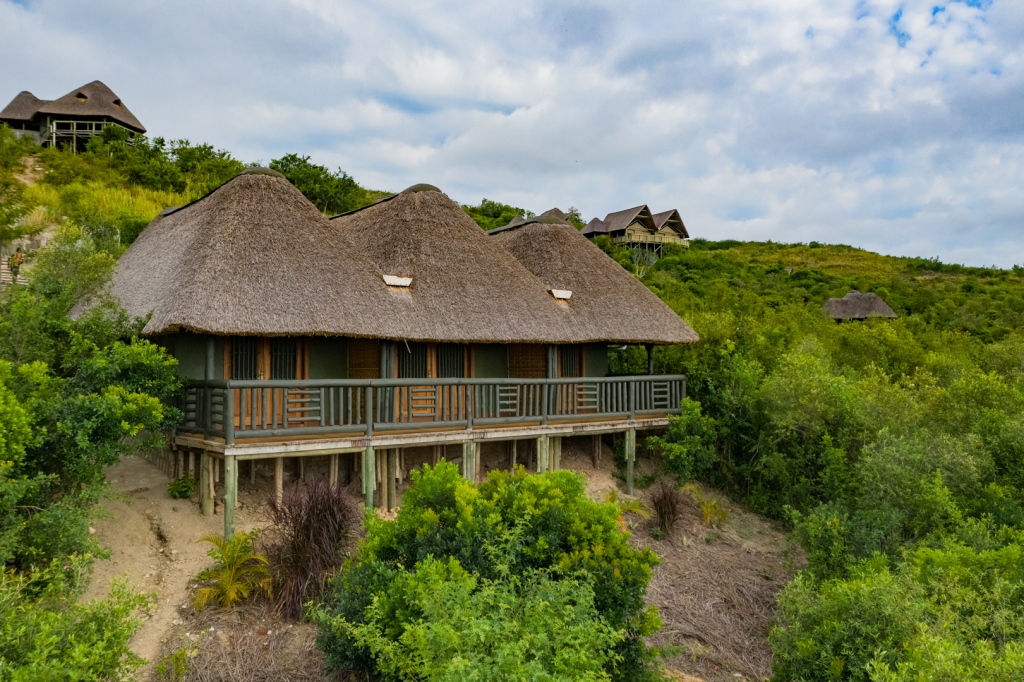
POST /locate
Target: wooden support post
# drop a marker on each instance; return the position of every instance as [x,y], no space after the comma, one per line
[279,479]
[346,462]
[192,464]
[180,473]
[230,494]
[381,478]
[512,457]
[435,456]
[392,479]
[332,475]
[252,472]
[216,471]
[301,466]
[468,457]
[542,454]
[597,451]
[630,459]
[205,485]
[556,453]
[478,462]
[369,476]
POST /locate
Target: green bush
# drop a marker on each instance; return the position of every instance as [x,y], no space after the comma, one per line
[182,488]
[513,524]
[689,443]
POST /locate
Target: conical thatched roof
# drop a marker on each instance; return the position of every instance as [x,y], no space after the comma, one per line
[253,257]
[607,303]
[465,287]
[93,100]
[22,108]
[857,306]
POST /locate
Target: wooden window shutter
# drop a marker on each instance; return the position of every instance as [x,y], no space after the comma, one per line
[364,359]
[527,361]
[570,361]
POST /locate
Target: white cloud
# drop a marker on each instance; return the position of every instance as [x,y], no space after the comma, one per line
[896,126]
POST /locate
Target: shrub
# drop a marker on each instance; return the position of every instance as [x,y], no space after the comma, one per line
[689,443]
[666,501]
[238,573]
[545,523]
[305,544]
[182,488]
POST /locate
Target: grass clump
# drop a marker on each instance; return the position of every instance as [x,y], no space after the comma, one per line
[239,572]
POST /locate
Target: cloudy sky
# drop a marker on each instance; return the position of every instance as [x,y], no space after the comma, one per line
[894,126]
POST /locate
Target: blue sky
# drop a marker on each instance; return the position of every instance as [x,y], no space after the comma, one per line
[893,126]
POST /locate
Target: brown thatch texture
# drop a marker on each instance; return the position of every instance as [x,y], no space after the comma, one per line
[672,220]
[99,102]
[607,303]
[620,220]
[465,287]
[254,257]
[857,306]
[22,108]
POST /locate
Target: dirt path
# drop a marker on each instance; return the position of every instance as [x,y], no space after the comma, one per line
[154,540]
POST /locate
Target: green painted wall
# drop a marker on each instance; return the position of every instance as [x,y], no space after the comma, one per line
[190,351]
[595,359]
[491,360]
[328,357]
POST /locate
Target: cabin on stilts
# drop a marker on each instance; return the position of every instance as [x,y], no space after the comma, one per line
[387,337]
[637,227]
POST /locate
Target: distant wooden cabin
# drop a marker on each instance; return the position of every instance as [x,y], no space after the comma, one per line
[72,119]
[858,306]
[388,337]
[637,226]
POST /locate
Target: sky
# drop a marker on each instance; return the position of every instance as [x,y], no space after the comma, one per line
[892,126]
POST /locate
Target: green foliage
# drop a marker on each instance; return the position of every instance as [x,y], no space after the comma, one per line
[182,488]
[514,524]
[689,444]
[530,627]
[491,214]
[238,572]
[331,192]
[46,634]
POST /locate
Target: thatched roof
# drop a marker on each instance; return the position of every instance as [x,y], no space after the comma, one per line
[253,257]
[620,220]
[22,108]
[607,303]
[464,285]
[671,220]
[857,306]
[93,100]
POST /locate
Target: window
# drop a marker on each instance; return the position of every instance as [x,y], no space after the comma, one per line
[527,361]
[570,361]
[283,357]
[244,361]
[412,360]
[451,360]
[364,359]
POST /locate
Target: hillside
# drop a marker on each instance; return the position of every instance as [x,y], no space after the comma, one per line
[891,450]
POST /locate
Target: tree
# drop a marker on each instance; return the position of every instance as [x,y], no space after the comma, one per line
[330,192]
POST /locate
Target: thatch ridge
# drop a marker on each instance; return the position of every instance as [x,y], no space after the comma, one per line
[858,306]
[100,101]
[465,288]
[672,220]
[23,107]
[608,304]
[253,257]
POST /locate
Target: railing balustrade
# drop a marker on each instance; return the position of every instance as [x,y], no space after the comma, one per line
[231,409]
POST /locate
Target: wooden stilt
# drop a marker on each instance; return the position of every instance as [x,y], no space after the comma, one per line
[381,475]
[597,451]
[302,468]
[630,459]
[468,465]
[230,495]
[512,456]
[478,463]
[180,473]
[436,454]
[252,472]
[556,453]
[192,464]
[392,488]
[205,485]
[542,454]
[332,475]
[346,463]
[369,476]
[279,479]
[216,471]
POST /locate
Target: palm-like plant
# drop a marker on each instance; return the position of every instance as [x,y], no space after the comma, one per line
[629,505]
[238,573]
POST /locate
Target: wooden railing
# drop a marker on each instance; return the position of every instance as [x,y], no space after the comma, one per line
[231,409]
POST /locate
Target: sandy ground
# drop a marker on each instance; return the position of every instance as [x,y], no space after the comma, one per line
[155,541]
[715,587]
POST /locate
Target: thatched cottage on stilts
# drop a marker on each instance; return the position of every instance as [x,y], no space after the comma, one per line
[388,337]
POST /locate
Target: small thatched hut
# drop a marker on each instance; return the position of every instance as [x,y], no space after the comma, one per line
[70,119]
[857,306]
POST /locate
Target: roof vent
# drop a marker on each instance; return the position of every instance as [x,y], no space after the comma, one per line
[117,102]
[561,294]
[395,281]
[81,97]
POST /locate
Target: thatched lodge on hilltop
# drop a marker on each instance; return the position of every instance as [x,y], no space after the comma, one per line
[638,227]
[387,337]
[858,306]
[69,120]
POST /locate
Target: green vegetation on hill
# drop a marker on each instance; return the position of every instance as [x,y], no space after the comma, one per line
[491,214]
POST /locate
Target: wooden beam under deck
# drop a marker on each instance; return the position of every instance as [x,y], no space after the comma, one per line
[265,449]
